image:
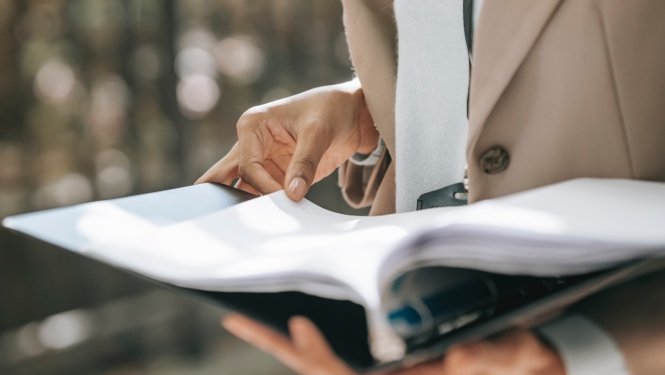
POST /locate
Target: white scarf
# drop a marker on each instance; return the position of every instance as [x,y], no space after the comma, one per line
[431,123]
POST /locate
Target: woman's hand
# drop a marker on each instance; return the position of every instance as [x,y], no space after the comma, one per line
[517,352]
[513,353]
[294,142]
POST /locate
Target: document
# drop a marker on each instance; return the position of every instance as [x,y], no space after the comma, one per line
[271,244]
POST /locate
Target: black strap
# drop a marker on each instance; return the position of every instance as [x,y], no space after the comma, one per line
[451,195]
[467,10]
[468,24]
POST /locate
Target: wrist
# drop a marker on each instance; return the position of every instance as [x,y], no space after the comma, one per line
[363,122]
[369,134]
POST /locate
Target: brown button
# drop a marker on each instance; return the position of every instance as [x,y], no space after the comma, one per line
[495,160]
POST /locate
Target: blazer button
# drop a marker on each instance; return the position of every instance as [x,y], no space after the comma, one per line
[495,160]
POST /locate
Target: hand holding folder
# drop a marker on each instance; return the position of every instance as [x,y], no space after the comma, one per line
[357,278]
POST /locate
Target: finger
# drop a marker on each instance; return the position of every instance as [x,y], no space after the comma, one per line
[264,338]
[275,171]
[516,352]
[428,368]
[251,162]
[462,360]
[224,171]
[256,175]
[314,349]
[242,185]
[301,172]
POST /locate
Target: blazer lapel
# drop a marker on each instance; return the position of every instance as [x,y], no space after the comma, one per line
[506,32]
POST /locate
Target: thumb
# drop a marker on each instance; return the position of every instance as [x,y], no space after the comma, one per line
[301,172]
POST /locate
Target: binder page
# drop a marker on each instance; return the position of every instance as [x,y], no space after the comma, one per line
[573,227]
[271,244]
[267,244]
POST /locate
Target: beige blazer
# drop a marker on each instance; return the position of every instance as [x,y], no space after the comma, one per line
[559,89]
[575,88]
[564,89]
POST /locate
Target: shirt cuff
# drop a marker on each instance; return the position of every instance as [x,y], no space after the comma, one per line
[371,159]
[584,347]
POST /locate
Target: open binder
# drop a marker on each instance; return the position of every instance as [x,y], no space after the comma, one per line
[385,291]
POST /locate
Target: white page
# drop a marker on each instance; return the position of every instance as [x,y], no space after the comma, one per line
[573,227]
[268,244]
[273,244]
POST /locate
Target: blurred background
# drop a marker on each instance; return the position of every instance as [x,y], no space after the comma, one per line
[102,99]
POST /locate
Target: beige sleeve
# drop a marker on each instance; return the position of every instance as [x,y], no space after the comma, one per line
[359,183]
[634,315]
[372,36]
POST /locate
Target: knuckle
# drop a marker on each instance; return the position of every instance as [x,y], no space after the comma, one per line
[460,359]
[339,97]
[247,121]
[243,124]
[306,164]
[243,169]
[247,171]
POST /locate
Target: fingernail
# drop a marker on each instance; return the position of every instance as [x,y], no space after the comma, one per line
[299,333]
[298,187]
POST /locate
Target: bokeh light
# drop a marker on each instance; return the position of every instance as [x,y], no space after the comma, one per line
[55,82]
[147,62]
[64,330]
[194,61]
[196,38]
[238,58]
[72,188]
[114,174]
[107,112]
[27,340]
[42,21]
[197,95]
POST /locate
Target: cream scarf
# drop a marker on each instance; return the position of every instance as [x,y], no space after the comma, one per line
[430,110]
